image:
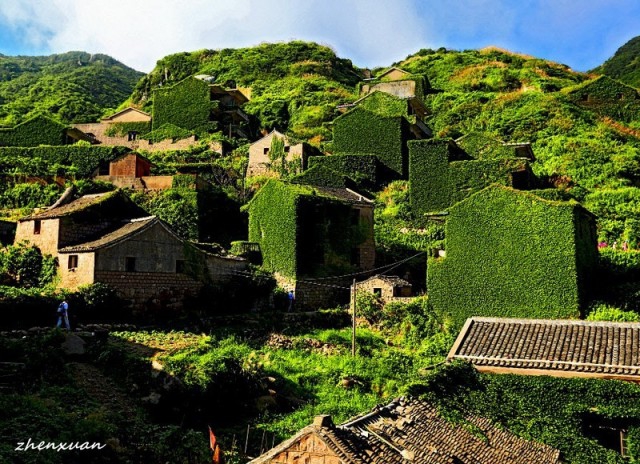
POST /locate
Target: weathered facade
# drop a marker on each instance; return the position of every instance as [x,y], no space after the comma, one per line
[106,238]
[260,163]
[386,288]
[407,430]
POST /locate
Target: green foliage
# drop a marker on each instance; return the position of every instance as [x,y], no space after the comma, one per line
[324,177]
[186,104]
[120,129]
[368,306]
[28,195]
[294,86]
[165,132]
[607,97]
[604,312]
[559,412]
[623,65]
[363,131]
[71,87]
[24,265]
[302,231]
[277,156]
[362,168]
[39,130]
[178,207]
[505,249]
[70,160]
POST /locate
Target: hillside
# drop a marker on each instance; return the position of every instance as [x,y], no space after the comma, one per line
[72,87]
[294,85]
[624,65]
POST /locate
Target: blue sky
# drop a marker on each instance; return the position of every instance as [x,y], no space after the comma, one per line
[579,33]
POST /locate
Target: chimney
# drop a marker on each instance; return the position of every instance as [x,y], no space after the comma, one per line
[323,420]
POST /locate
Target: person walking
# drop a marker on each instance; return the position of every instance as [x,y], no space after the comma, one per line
[292,298]
[63,315]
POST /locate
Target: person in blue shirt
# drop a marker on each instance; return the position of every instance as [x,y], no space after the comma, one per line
[292,299]
[63,315]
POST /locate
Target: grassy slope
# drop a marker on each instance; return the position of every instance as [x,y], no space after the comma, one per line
[624,65]
[72,87]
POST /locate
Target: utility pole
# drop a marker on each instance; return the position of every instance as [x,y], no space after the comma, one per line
[353,318]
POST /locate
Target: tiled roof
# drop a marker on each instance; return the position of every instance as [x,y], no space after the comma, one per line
[557,347]
[128,229]
[410,430]
[73,207]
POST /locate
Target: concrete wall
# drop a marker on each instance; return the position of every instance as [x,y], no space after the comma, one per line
[46,240]
[308,449]
[83,274]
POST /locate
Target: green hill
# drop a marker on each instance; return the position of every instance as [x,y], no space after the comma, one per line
[71,87]
[294,86]
[624,65]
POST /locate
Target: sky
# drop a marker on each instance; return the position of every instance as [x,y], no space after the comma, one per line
[579,33]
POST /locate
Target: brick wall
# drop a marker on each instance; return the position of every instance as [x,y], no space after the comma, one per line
[309,449]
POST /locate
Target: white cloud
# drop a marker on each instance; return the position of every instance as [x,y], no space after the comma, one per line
[140,32]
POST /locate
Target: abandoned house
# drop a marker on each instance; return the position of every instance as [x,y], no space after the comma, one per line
[407,430]
[607,97]
[197,103]
[386,288]
[133,171]
[260,163]
[107,238]
[504,248]
[559,348]
[306,232]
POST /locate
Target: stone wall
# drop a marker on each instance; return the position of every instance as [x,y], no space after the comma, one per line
[82,274]
[151,291]
[223,268]
[386,289]
[259,160]
[157,182]
[367,249]
[400,89]
[72,232]
[99,132]
[46,240]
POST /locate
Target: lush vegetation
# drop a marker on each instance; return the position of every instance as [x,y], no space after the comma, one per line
[363,169]
[70,87]
[623,65]
[39,130]
[500,264]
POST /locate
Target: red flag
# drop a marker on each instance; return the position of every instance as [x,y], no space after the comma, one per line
[217,452]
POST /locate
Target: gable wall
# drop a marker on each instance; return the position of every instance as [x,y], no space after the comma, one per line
[83,274]
[309,449]
[129,116]
[259,161]
[47,240]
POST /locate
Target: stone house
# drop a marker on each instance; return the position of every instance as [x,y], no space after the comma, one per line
[407,430]
[133,171]
[559,348]
[386,288]
[260,163]
[139,122]
[305,232]
[106,238]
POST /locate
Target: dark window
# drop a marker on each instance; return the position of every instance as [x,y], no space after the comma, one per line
[72,263]
[132,135]
[265,151]
[377,292]
[179,266]
[397,291]
[355,256]
[286,149]
[37,225]
[624,444]
[620,96]
[130,264]
[355,217]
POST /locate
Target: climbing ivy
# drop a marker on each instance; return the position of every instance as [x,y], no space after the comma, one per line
[39,130]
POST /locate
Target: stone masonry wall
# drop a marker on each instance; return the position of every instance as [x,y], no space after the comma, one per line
[46,240]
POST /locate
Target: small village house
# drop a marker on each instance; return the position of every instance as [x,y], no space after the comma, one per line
[260,163]
[106,238]
[407,431]
[386,288]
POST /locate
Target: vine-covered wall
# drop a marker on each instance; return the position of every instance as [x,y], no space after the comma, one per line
[362,168]
[186,104]
[512,254]
[608,97]
[39,130]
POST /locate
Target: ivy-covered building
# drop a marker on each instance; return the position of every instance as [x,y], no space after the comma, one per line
[39,130]
[307,232]
[197,104]
[263,161]
[441,173]
[513,254]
